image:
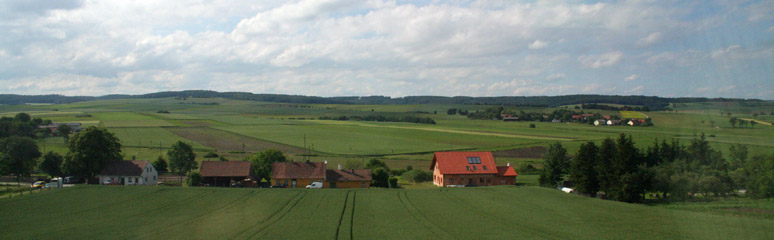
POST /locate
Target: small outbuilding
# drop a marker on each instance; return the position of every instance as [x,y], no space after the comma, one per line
[224,173]
[128,173]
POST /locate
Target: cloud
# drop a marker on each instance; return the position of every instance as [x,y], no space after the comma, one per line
[603,60]
[556,76]
[636,90]
[537,44]
[632,77]
[347,47]
[650,39]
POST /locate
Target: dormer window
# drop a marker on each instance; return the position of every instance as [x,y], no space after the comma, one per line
[474,168]
[468,167]
[484,167]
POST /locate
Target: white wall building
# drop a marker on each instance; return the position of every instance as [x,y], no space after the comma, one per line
[129,173]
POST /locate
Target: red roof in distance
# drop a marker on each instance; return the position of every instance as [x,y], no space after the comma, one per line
[506,171]
[457,163]
[298,170]
[226,169]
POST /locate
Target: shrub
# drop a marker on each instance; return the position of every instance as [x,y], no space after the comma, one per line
[393,182]
[211,155]
[418,176]
[193,179]
[531,125]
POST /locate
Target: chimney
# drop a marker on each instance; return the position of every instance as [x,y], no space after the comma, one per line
[325,166]
[339,166]
[508,164]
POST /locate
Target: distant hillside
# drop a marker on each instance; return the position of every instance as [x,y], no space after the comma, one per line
[653,102]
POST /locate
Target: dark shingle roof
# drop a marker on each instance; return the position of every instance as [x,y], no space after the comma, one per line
[298,170]
[225,169]
[124,168]
[348,175]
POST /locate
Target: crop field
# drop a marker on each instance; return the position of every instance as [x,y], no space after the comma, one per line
[231,126]
[632,114]
[87,212]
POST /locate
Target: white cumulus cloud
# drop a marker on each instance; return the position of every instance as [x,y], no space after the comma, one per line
[603,60]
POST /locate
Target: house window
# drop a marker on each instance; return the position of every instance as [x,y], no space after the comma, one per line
[154,178]
[362,185]
[451,180]
[484,167]
[488,180]
[474,160]
[481,180]
[467,167]
[474,168]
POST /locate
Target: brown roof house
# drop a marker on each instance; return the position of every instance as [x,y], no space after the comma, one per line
[226,173]
[128,173]
[300,174]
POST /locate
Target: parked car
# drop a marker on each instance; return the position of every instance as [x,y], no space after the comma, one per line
[38,184]
[315,185]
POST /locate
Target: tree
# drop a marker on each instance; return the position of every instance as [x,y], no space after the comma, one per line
[64,131]
[193,179]
[52,164]
[182,159]
[555,163]
[451,111]
[582,172]
[19,156]
[752,124]
[353,164]
[608,181]
[375,163]
[262,162]
[22,117]
[160,164]
[738,153]
[732,121]
[380,178]
[90,150]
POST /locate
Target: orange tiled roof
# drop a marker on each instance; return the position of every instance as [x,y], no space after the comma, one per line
[298,170]
[506,171]
[457,163]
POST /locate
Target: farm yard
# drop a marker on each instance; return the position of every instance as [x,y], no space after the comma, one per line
[450,213]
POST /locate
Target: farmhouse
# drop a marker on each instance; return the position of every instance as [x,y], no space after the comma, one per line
[74,127]
[300,174]
[224,173]
[128,173]
[295,174]
[470,169]
[347,178]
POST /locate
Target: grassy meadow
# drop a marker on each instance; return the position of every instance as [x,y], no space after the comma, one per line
[86,212]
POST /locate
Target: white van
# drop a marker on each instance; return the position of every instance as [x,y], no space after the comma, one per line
[315,185]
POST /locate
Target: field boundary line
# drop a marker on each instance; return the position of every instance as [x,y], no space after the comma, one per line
[352,216]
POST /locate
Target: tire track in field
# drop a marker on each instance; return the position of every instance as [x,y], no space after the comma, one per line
[421,218]
[271,215]
[341,217]
[279,215]
[198,216]
[352,216]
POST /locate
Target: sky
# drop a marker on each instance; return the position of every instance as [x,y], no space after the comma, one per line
[705,48]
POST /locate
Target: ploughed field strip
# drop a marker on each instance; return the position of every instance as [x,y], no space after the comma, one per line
[447,213]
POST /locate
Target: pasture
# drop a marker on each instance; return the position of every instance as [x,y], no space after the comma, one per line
[87,212]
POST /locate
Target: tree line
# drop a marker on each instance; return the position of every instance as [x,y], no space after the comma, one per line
[614,108]
[667,169]
[652,103]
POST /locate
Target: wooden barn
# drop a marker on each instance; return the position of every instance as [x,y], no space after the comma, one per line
[226,173]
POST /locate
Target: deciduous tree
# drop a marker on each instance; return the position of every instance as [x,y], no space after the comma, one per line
[90,150]
[262,162]
[52,164]
[555,163]
[19,156]
[182,159]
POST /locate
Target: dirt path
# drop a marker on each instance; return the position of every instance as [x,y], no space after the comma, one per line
[758,121]
[508,135]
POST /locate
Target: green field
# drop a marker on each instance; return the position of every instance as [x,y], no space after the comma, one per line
[100,212]
[231,127]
